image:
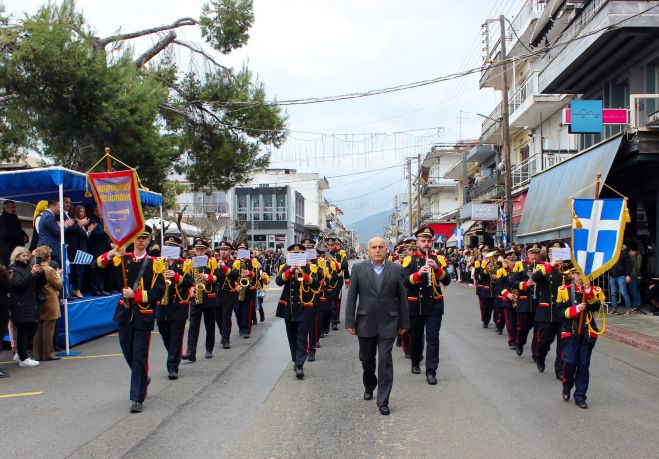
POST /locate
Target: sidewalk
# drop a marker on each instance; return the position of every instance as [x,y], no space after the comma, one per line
[638,330]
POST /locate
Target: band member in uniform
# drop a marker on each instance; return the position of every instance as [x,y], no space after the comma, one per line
[548,277]
[341,258]
[515,275]
[320,274]
[486,278]
[172,312]
[296,307]
[135,311]
[227,292]
[577,303]
[424,274]
[249,275]
[331,282]
[527,302]
[204,303]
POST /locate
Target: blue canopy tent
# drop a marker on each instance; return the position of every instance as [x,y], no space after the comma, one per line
[34,185]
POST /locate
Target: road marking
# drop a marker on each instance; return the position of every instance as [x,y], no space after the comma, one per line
[99,356]
[22,394]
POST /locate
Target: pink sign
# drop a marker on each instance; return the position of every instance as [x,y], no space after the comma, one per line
[609,116]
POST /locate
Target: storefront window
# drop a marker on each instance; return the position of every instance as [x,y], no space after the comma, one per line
[256,207]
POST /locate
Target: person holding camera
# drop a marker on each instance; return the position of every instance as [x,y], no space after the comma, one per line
[25,296]
[42,345]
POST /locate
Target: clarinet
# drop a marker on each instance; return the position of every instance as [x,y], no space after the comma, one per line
[430,273]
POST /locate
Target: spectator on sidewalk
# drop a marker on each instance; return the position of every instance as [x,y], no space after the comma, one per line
[635,285]
[38,210]
[11,232]
[5,282]
[619,277]
[25,296]
[99,243]
[42,345]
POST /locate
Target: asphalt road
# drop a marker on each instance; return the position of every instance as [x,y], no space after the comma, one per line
[245,402]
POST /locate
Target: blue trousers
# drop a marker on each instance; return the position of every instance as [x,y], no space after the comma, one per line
[618,284]
[135,347]
[576,355]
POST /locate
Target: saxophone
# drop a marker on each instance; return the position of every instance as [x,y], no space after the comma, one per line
[243,282]
[198,287]
[514,297]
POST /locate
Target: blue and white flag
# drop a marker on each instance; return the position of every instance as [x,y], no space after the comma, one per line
[502,219]
[82,258]
[598,227]
[459,237]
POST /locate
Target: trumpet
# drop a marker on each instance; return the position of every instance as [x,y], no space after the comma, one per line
[165,298]
[514,297]
[198,287]
[299,275]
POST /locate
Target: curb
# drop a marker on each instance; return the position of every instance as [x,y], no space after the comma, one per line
[638,340]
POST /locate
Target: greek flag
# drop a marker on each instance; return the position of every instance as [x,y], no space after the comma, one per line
[82,258]
[502,218]
[598,226]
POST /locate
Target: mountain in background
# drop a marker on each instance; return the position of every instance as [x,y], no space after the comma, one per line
[370,226]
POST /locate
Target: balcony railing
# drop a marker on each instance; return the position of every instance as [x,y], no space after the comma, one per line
[529,89]
[522,172]
[530,10]
[492,122]
[487,184]
[586,15]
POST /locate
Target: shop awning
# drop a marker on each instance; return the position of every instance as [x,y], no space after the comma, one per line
[546,213]
[465,227]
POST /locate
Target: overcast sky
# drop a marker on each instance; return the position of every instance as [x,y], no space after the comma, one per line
[308,48]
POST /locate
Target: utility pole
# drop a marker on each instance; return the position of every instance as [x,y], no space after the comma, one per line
[418,191]
[506,135]
[409,196]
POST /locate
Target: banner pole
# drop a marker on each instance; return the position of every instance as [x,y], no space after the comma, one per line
[108,163]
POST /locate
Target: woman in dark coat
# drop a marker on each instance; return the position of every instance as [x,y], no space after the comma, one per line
[5,281]
[26,284]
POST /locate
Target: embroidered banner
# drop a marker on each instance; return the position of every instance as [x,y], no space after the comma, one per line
[118,196]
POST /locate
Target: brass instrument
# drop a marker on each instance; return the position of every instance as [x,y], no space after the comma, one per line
[491,268]
[243,282]
[165,298]
[198,287]
[514,297]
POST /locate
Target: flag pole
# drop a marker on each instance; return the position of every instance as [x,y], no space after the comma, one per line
[598,181]
[108,163]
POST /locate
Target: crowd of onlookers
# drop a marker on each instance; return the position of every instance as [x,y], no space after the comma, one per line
[31,273]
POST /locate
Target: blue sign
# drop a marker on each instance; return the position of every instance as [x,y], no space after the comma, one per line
[586,116]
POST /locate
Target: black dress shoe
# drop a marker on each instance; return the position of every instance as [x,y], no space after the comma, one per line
[519,349]
[384,411]
[97,293]
[499,331]
[226,346]
[485,325]
[512,347]
[312,356]
[432,379]
[335,327]
[173,374]
[136,407]
[245,335]
[208,355]
[399,342]
[581,404]
[299,373]
[416,370]
[368,395]
[541,367]
[407,355]
[189,357]
[322,335]
[4,374]
[566,395]
[317,345]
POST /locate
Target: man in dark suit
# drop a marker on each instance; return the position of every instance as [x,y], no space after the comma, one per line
[49,229]
[381,315]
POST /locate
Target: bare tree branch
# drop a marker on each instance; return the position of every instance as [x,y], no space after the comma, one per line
[197,49]
[155,49]
[101,43]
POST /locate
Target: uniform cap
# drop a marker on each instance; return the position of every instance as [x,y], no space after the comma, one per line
[173,240]
[425,231]
[296,248]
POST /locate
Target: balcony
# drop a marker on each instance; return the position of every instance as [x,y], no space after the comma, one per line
[522,25]
[488,188]
[583,63]
[521,173]
[527,104]
[491,127]
[436,186]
